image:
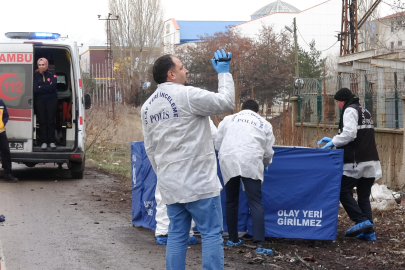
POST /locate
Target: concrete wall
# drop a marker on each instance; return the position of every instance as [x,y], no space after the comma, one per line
[390,145]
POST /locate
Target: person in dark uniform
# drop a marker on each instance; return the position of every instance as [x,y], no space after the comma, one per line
[46,102]
[4,148]
[361,163]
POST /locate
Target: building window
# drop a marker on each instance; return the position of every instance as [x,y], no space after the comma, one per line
[392,46]
[399,43]
[392,27]
[168,28]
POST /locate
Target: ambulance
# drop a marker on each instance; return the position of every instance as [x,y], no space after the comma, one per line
[19,53]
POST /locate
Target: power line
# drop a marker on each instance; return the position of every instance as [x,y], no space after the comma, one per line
[302,37]
[310,46]
[330,46]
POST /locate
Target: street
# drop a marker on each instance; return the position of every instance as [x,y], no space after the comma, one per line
[44,231]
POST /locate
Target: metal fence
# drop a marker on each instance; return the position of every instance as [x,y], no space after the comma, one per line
[379,90]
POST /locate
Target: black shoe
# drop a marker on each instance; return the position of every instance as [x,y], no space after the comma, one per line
[10,178]
[247,237]
[260,244]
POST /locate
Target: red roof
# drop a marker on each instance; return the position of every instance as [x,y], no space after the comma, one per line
[176,26]
[393,15]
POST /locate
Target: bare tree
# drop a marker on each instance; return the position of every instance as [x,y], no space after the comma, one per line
[136,42]
[331,64]
[383,33]
[261,68]
[366,41]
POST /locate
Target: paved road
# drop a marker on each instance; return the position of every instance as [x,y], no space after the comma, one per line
[43,231]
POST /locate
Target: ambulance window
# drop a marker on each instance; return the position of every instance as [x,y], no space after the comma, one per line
[61,79]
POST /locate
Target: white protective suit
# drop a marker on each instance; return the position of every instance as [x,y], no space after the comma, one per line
[245,145]
[214,130]
[178,139]
[162,220]
[369,169]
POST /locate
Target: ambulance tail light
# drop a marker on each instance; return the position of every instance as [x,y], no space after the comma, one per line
[81,120]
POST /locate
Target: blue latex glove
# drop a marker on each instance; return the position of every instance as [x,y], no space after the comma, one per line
[329,144]
[266,169]
[221,66]
[325,140]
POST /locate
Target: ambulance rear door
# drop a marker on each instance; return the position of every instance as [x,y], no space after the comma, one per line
[16,90]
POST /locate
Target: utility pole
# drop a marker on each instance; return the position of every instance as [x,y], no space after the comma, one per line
[110,61]
[350,26]
[297,70]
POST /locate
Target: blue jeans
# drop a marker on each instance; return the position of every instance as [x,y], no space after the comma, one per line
[207,214]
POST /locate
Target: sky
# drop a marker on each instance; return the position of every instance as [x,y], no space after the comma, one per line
[77,19]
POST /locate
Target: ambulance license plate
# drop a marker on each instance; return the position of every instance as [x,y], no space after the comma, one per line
[16,145]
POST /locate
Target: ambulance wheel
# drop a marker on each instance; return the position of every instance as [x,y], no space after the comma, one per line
[77,169]
[30,164]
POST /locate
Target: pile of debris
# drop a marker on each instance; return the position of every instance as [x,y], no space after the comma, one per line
[383,198]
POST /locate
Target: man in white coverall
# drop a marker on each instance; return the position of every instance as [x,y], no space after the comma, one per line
[178,143]
[162,220]
[361,164]
[245,147]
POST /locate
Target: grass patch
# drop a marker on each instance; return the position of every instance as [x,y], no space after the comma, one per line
[112,157]
[108,141]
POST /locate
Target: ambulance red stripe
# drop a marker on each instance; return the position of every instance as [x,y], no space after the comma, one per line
[19,112]
[19,119]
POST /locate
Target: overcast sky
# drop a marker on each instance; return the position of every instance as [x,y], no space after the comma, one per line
[78,18]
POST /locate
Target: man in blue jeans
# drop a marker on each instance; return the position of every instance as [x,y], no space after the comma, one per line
[178,142]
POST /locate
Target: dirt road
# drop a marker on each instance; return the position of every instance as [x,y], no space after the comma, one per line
[54,222]
[44,231]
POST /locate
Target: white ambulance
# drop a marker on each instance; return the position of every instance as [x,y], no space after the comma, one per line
[18,60]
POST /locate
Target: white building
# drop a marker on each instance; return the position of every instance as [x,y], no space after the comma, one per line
[321,22]
[388,33]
